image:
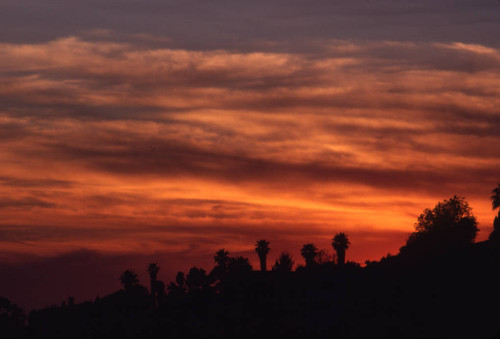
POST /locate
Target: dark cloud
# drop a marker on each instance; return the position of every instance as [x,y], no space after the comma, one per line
[25,203]
[33,183]
[206,231]
[13,131]
[174,159]
[30,233]
[235,24]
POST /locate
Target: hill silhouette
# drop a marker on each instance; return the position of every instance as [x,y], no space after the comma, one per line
[441,285]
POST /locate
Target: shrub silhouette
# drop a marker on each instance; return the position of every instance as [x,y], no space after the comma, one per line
[239,265]
[324,258]
[284,263]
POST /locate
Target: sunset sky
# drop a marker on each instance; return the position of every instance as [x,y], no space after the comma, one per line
[134,131]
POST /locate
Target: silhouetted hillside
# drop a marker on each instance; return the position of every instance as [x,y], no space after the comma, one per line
[454,295]
[440,285]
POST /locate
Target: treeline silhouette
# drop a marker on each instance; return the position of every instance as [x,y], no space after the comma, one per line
[440,285]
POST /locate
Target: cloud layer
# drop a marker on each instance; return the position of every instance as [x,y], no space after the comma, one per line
[103,131]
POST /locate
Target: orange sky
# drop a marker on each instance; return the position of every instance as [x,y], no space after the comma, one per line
[167,153]
[114,148]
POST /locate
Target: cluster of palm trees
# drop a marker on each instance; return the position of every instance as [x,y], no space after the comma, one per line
[225,263]
[310,252]
[312,257]
[130,280]
[197,278]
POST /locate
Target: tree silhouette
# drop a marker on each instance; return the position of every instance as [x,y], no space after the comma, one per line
[155,286]
[309,252]
[196,279]
[262,249]
[284,263]
[449,224]
[12,319]
[179,286]
[129,279]
[340,244]
[323,258]
[221,258]
[495,203]
[153,269]
[180,279]
[239,265]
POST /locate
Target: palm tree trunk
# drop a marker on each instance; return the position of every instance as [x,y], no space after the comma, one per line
[153,294]
[263,264]
[341,257]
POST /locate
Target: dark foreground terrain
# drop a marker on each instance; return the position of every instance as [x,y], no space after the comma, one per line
[441,285]
[455,294]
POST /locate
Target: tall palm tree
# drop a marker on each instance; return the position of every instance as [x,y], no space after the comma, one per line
[153,269]
[129,279]
[340,243]
[309,252]
[262,249]
[221,258]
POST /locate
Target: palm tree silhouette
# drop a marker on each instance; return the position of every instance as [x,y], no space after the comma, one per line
[309,252]
[153,269]
[129,279]
[340,243]
[221,258]
[495,203]
[262,249]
